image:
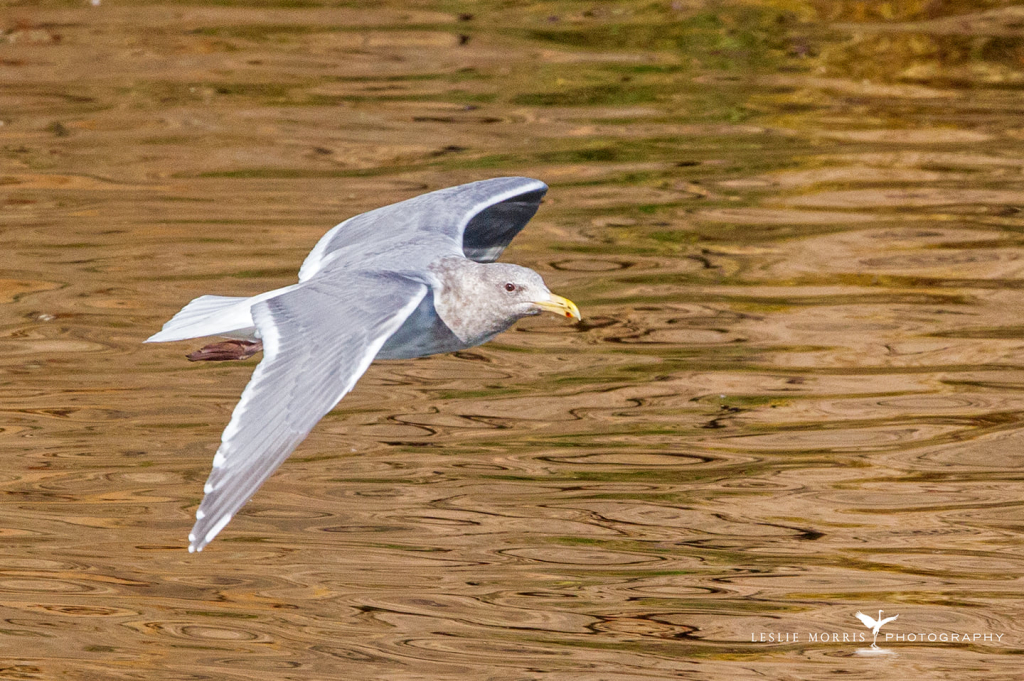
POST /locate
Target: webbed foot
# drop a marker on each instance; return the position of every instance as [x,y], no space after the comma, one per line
[232,349]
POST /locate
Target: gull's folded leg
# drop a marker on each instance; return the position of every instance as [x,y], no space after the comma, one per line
[232,349]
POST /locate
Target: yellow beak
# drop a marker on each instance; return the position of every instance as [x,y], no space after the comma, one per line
[560,306]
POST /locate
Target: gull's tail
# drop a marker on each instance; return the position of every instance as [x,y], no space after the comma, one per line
[206,316]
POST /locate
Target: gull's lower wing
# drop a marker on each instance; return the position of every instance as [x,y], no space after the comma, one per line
[482,216]
[314,351]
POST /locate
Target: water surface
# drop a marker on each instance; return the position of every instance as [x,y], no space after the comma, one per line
[793,229]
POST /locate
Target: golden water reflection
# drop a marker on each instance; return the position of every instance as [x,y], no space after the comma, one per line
[794,231]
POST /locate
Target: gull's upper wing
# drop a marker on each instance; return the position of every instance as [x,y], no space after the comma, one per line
[313,353]
[869,622]
[482,216]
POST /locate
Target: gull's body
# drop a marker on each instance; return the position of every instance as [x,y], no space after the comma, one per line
[412,279]
[874,625]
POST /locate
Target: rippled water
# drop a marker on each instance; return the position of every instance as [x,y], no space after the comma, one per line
[794,231]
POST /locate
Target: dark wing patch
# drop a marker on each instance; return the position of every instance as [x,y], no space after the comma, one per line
[492,229]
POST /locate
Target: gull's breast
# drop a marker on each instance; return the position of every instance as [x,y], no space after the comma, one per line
[422,334]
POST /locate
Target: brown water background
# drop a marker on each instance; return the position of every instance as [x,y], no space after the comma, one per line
[794,229]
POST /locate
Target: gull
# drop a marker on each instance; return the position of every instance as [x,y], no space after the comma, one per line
[873,624]
[411,279]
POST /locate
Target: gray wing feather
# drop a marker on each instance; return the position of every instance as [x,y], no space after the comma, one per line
[482,216]
[311,359]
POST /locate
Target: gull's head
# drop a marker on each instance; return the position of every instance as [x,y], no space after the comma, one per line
[522,292]
[480,300]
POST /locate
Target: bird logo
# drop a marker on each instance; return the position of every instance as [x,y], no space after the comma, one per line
[874,625]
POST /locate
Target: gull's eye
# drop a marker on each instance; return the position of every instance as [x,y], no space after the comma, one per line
[510,287]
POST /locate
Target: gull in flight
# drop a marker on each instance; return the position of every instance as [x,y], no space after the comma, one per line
[407,280]
[874,625]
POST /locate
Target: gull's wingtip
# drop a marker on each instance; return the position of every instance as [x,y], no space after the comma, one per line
[531,184]
[515,184]
[197,542]
[537,184]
